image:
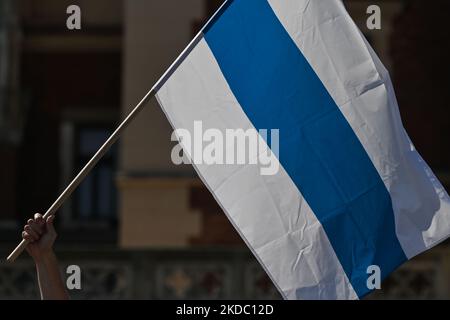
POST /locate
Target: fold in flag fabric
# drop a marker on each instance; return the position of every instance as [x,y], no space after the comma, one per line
[352,191]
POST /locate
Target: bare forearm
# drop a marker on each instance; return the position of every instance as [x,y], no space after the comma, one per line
[51,284]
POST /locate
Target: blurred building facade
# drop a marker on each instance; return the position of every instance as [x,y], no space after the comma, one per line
[139,226]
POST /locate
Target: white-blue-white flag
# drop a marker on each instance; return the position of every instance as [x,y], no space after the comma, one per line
[352,191]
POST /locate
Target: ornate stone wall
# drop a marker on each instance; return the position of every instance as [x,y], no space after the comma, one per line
[204,274]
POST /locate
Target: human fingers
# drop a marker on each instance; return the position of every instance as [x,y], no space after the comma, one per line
[34,236]
[39,219]
[36,227]
[26,236]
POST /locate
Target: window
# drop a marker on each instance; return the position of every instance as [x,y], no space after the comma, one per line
[94,203]
[95,197]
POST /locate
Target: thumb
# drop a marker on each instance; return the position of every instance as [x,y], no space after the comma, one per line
[49,224]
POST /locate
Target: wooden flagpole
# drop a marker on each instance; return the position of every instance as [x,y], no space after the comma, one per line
[116,135]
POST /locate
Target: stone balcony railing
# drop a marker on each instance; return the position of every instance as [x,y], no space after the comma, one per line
[203,274]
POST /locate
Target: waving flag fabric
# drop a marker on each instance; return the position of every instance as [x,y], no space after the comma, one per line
[352,191]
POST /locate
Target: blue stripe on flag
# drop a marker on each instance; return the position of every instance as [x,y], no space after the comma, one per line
[278,89]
